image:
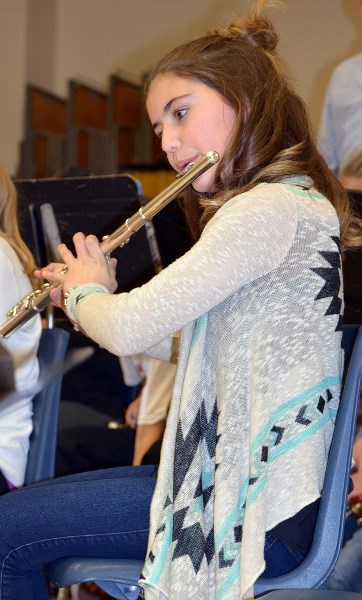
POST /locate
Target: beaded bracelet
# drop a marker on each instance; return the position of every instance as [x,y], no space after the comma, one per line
[74,296]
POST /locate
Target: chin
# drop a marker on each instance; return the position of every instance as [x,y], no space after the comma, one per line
[203,185]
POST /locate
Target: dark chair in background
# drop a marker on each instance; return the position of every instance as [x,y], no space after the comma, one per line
[7,380]
[352,273]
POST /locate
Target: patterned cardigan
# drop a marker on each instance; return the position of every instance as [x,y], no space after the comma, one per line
[258,300]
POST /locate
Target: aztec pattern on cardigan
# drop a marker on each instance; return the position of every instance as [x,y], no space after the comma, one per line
[252,415]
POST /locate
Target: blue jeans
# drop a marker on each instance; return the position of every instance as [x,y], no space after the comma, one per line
[99,513]
[346,575]
[279,557]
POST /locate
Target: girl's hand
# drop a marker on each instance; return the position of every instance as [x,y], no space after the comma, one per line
[88,266]
[132,411]
[52,268]
[56,295]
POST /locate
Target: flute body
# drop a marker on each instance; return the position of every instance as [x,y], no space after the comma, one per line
[36,301]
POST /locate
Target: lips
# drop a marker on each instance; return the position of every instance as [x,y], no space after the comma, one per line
[181,164]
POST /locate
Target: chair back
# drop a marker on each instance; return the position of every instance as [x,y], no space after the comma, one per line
[314,570]
[41,457]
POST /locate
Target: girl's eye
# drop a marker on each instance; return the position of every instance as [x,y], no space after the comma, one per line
[180,113]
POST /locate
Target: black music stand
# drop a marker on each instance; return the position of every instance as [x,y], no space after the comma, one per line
[99,205]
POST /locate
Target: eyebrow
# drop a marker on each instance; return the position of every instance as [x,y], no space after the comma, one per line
[167,108]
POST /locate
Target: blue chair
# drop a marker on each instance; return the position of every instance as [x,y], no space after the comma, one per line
[119,577]
[51,354]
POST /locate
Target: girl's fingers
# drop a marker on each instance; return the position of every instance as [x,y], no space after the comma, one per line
[113,264]
[49,268]
[86,246]
[92,246]
[66,255]
[79,244]
[88,265]
[53,271]
[56,297]
[53,276]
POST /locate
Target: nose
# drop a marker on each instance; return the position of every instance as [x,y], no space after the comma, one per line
[170,139]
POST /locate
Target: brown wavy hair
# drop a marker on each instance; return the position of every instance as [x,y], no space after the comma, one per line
[272,138]
[9,228]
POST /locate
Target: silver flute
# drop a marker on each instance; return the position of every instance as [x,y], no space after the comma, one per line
[36,301]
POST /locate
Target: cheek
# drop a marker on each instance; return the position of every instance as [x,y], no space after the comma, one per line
[216,138]
[204,183]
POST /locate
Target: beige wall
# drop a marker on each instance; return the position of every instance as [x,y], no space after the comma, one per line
[315,36]
[12,76]
[92,38]
[41,42]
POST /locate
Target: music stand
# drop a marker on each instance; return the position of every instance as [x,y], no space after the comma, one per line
[99,205]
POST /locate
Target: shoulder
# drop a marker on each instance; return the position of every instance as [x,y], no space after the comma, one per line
[348,71]
[12,274]
[265,198]
[267,212]
[9,260]
[4,245]
[8,257]
[275,206]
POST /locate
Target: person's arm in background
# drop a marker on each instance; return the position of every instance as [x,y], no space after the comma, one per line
[147,413]
[327,138]
[16,415]
[356,475]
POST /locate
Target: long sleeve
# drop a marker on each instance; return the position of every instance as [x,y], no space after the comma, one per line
[22,344]
[247,238]
[328,143]
[16,416]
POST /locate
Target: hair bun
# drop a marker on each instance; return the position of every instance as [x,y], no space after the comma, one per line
[254,28]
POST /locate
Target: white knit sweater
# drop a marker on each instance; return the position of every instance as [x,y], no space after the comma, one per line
[258,300]
[16,421]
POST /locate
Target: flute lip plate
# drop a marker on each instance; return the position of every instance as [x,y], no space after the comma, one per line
[187,168]
[212,155]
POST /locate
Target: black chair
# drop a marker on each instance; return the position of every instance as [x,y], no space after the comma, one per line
[352,272]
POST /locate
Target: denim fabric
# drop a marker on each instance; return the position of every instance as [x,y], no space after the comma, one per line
[346,575]
[280,558]
[105,513]
[99,513]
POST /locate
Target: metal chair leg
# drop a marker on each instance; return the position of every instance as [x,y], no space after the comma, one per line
[64,594]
